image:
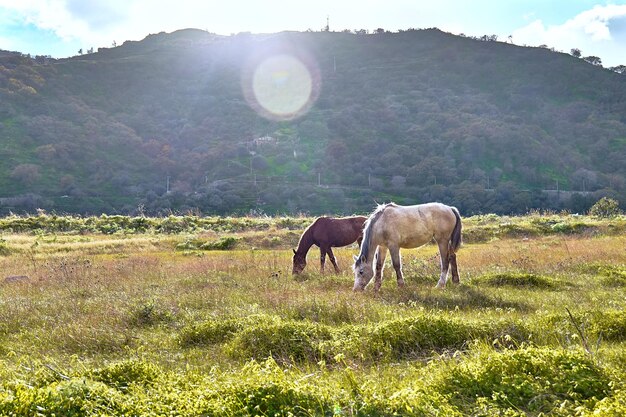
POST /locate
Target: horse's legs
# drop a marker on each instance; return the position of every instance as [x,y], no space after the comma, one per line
[359,240]
[397,265]
[455,271]
[331,256]
[445,262]
[322,258]
[381,253]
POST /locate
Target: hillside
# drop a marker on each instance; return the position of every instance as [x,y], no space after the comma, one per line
[169,123]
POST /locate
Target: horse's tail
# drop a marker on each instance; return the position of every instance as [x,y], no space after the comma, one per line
[455,237]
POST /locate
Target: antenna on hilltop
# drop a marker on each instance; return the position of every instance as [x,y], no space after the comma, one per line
[327,28]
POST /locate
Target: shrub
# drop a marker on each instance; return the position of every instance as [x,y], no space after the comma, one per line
[209,332]
[224,243]
[177,224]
[219,330]
[402,338]
[272,399]
[187,244]
[140,224]
[605,208]
[515,229]
[416,337]
[4,248]
[284,341]
[613,275]
[610,325]
[292,223]
[74,397]
[121,375]
[518,279]
[479,234]
[570,228]
[259,337]
[408,402]
[191,244]
[613,406]
[528,380]
[264,389]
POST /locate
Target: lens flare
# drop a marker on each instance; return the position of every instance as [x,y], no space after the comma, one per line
[281,87]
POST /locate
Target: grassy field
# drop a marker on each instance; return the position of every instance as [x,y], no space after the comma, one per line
[200,317]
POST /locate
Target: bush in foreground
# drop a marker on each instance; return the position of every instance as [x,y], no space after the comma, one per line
[531,380]
[482,382]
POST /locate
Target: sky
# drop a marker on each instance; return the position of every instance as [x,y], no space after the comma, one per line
[60,28]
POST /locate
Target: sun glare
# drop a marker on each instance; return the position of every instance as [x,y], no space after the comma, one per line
[281,87]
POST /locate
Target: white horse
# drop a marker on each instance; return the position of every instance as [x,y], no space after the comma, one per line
[391,227]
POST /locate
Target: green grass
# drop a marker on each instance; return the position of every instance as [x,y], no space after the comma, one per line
[136,321]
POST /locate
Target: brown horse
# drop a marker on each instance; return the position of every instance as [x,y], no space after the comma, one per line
[327,232]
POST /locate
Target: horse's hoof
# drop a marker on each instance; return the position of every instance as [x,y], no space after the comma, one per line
[400,284]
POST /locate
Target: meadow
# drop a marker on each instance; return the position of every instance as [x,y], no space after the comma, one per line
[192,316]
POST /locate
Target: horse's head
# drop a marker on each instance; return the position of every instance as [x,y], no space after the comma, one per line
[299,262]
[363,273]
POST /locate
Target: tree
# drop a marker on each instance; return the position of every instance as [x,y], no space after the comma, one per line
[580,203]
[575,52]
[259,163]
[398,182]
[489,38]
[584,179]
[620,69]
[605,207]
[26,173]
[46,152]
[593,60]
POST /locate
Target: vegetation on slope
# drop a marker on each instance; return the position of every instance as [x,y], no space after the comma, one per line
[414,116]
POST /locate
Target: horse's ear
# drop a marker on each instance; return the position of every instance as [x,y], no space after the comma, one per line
[363,259]
[294,251]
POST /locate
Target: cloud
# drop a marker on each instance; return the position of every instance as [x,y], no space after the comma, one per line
[7,44]
[599,31]
[49,15]
[99,14]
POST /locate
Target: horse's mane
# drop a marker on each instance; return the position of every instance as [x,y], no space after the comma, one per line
[367,229]
[306,240]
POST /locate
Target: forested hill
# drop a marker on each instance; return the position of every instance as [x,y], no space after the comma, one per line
[171,123]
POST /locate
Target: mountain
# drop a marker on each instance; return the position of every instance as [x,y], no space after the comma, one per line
[192,121]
